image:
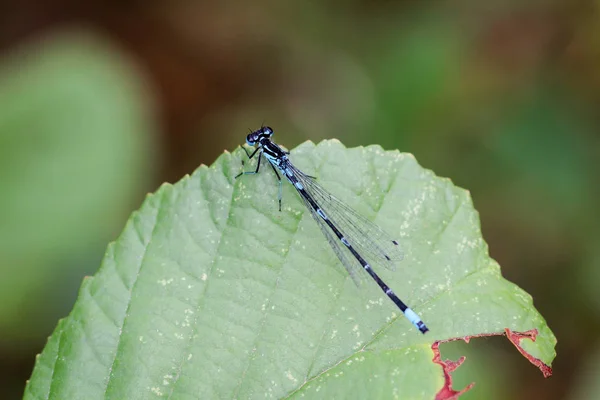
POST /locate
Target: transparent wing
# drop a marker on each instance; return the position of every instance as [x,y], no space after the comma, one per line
[377,246]
[351,264]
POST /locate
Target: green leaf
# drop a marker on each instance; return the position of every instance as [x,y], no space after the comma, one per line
[210,292]
[73,151]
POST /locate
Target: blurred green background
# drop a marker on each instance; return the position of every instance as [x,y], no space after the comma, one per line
[102,101]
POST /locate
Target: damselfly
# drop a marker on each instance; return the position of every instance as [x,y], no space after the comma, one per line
[353,238]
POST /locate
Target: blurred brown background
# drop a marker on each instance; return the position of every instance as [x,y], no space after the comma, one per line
[102,102]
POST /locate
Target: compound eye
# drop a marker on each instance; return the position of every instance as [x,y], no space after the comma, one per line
[268,131]
[251,139]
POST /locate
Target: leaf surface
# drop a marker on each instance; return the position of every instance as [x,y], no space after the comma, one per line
[210,292]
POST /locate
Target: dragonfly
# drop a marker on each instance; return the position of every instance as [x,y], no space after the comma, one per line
[353,238]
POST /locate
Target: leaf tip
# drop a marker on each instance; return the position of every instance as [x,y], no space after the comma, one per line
[516,338]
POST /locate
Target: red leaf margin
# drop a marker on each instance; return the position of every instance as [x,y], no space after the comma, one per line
[448,366]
